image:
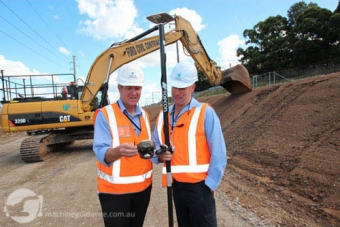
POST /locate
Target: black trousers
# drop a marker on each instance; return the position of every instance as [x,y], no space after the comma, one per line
[195,204]
[125,210]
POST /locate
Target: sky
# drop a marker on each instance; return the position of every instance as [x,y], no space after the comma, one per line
[66,36]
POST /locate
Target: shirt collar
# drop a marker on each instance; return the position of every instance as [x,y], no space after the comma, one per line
[138,110]
[193,103]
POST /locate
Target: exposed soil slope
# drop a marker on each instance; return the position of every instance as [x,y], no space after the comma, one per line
[283,145]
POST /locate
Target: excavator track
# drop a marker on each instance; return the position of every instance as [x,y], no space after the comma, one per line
[40,147]
[33,149]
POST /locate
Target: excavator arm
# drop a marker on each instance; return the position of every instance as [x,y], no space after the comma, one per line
[235,79]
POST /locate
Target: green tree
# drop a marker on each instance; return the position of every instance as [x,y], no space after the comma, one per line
[334,32]
[309,34]
[268,45]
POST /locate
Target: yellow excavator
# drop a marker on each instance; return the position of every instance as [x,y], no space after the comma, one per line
[65,119]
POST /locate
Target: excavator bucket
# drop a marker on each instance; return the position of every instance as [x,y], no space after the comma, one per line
[236,79]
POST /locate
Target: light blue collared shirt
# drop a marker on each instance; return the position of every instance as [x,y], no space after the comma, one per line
[217,145]
[102,139]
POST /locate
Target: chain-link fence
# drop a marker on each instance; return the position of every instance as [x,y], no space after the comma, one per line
[270,78]
[320,68]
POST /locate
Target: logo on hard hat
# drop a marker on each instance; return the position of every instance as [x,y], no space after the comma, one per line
[179,76]
[133,75]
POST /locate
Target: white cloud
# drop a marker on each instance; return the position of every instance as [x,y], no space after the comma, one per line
[113,94]
[63,50]
[116,19]
[108,18]
[191,16]
[21,75]
[81,53]
[227,51]
[226,47]
[15,67]
[153,59]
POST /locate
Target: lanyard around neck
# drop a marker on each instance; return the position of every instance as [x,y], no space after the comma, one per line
[130,119]
[176,118]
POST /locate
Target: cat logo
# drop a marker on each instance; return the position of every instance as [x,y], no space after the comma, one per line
[64,118]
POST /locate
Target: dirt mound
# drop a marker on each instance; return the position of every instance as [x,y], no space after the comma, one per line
[283,145]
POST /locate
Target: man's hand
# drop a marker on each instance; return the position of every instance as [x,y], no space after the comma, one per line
[164,148]
[165,156]
[127,150]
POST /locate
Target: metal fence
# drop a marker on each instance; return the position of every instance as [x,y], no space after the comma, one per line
[33,86]
[320,68]
[288,75]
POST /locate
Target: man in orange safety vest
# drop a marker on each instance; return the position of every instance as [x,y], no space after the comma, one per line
[124,178]
[199,158]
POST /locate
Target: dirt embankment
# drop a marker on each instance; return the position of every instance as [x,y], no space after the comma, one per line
[283,145]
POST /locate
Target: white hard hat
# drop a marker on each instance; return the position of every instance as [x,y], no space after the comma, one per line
[183,75]
[130,75]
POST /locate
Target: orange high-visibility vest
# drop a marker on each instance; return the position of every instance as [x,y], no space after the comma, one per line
[191,158]
[95,116]
[127,174]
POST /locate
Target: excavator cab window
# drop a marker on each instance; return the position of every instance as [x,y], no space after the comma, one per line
[96,101]
[72,90]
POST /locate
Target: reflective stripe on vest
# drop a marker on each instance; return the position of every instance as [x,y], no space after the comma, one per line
[116,177]
[193,167]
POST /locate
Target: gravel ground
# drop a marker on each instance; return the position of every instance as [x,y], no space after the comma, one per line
[67,184]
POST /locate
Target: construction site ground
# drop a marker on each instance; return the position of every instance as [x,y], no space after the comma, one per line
[283,169]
